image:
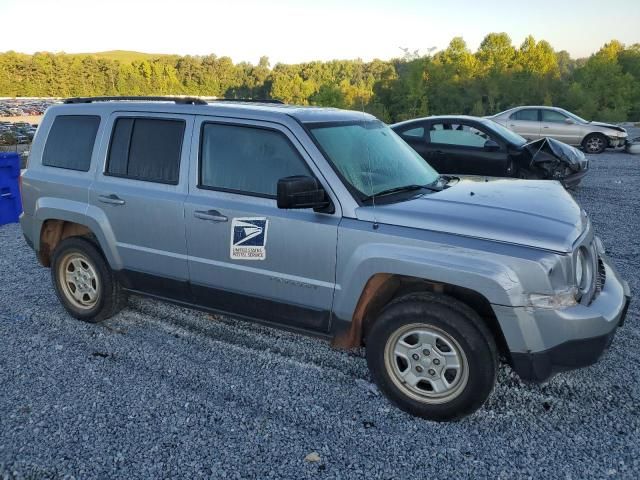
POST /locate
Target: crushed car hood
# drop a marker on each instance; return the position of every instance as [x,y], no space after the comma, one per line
[535,213]
[608,125]
[554,155]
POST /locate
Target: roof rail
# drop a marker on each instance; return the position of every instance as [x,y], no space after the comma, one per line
[179,100]
[249,100]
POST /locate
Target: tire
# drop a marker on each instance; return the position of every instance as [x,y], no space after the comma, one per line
[595,143]
[89,291]
[437,330]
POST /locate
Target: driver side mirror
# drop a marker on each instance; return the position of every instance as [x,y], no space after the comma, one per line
[491,146]
[301,191]
[569,121]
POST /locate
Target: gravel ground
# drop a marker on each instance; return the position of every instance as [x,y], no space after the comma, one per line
[161,391]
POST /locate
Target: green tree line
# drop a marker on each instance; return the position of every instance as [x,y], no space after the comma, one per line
[455,80]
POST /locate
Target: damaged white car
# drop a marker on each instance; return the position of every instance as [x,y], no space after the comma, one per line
[538,122]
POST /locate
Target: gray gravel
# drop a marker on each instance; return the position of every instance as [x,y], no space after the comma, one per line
[161,391]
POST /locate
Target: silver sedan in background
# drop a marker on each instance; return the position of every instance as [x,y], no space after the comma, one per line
[533,123]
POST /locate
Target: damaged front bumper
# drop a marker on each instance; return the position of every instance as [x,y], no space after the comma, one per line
[552,341]
[555,160]
[615,142]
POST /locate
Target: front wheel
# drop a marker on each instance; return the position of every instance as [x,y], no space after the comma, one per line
[432,356]
[595,143]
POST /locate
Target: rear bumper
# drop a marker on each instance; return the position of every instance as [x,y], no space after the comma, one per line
[26,223]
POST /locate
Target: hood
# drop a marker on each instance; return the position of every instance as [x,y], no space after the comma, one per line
[608,125]
[553,154]
[534,213]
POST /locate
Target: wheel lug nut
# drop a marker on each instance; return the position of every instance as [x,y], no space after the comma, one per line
[432,372]
[415,356]
[436,361]
[426,352]
[418,369]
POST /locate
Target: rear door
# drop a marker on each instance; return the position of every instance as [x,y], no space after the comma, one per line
[557,125]
[416,135]
[246,256]
[526,123]
[140,192]
[461,147]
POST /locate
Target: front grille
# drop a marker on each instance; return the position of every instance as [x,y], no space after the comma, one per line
[601,276]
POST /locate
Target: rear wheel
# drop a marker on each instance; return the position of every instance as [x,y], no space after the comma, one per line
[432,356]
[83,281]
[594,143]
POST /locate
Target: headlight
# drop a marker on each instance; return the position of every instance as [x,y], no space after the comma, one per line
[583,271]
[617,134]
[580,266]
[561,299]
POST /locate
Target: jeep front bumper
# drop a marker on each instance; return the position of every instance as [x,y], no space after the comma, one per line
[543,342]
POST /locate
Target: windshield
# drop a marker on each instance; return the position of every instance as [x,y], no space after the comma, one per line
[509,135]
[371,157]
[574,116]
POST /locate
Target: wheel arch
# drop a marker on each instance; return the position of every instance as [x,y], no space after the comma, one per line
[57,219]
[382,288]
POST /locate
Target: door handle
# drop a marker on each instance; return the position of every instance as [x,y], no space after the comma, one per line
[111,199]
[545,126]
[7,195]
[211,215]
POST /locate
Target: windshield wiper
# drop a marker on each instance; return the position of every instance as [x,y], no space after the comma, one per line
[404,188]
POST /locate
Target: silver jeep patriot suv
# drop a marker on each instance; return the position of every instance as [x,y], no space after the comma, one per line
[321,221]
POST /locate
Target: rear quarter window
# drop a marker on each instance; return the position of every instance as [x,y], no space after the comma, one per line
[70,142]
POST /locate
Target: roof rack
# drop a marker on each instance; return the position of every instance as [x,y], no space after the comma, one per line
[249,100]
[179,100]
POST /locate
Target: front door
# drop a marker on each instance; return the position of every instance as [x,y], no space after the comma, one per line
[560,127]
[246,256]
[141,192]
[461,149]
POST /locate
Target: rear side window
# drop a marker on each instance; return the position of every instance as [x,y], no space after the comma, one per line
[415,133]
[246,159]
[146,149]
[529,114]
[70,142]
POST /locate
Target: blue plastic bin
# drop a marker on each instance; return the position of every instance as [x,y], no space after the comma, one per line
[10,202]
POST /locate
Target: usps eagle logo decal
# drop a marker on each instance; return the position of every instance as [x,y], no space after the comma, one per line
[249,238]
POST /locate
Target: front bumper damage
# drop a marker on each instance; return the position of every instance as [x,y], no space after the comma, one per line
[545,342]
[555,160]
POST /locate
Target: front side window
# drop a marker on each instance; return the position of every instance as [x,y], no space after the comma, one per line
[247,160]
[146,149]
[70,142]
[528,115]
[457,134]
[371,157]
[553,116]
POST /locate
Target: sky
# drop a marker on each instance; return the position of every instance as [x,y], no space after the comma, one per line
[295,31]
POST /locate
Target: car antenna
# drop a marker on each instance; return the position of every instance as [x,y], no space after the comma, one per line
[373,196]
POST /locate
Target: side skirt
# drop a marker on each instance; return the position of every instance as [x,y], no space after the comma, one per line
[285,316]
